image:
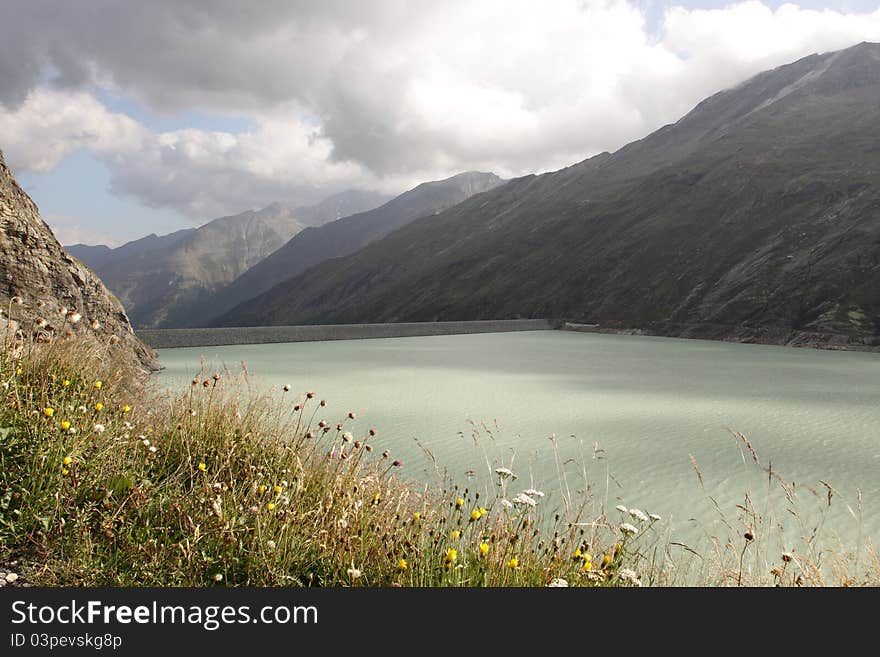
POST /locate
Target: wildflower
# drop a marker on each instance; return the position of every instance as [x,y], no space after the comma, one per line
[577,554]
[18,370]
[65,425]
[654,517]
[286,387]
[622,508]
[606,561]
[353,572]
[98,385]
[128,426]
[146,442]
[99,406]
[484,549]
[459,502]
[629,575]
[513,563]
[276,488]
[271,506]
[65,383]
[749,536]
[67,460]
[401,565]
[376,498]
[531,492]
[202,467]
[588,566]
[524,500]
[218,577]
[346,437]
[557,583]
[638,514]
[417,516]
[74,317]
[627,528]
[16,300]
[476,515]
[126,408]
[386,454]
[261,489]
[95,324]
[72,430]
[114,339]
[48,411]
[270,545]
[787,557]
[398,464]
[454,534]
[507,504]
[504,473]
[372,432]
[65,472]
[41,323]
[153,449]
[451,556]
[351,415]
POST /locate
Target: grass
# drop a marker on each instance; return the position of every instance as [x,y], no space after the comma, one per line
[106,482]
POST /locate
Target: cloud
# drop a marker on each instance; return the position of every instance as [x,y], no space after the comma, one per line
[70,230]
[379,94]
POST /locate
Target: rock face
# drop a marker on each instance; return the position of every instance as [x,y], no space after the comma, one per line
[36,270]
[755,217]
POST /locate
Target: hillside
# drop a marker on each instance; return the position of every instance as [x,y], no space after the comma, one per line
[754,217]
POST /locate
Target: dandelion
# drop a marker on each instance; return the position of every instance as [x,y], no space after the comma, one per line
[622,508]
[98,385]
[531,492]
[65,383]
[48,411]
[65,472]
[271,506]
[476,515]
[524,500]
[202,467]
[276,488]
[402,565]
[504,473]
[450,557]
[67,460]
[588,566]
[126,408]
[99,406]
[558,583]
[638,514]
[513,563]
[218,577]
[577,554]
[65,425]
[353,572]
[484,549]
[417,516]
[454,534]
[627,528]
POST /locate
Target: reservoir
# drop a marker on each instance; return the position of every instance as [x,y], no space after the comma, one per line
[616,419]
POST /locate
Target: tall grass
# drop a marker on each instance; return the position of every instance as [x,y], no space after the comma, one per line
[104,481]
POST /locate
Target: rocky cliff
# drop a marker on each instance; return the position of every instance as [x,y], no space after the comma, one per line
[46,293]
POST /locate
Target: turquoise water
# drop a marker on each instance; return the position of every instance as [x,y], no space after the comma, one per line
[631,410]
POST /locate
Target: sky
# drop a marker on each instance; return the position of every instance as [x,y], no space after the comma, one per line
[121,119]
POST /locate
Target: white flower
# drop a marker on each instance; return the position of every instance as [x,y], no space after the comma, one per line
[347,436]
[524,499]
[629,575]
[654,517]
[353,572]
[72,430]
[146,442]
[99,428]
[638,514]
[504,473]
[5,385]
[621,508]
[128,426]
[531,492]
[286,387]
[153,449]
[627,528]
[81,409]
[270,545]
[218,577]
[11,577]
[96,324]
[557,583]
[507,504]
[74,317]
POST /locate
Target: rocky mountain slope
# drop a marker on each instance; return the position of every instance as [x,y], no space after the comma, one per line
[754,217]
[344,236]
[45,292]
[161,279]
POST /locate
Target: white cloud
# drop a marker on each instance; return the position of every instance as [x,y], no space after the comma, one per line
[71,230]
[379,94]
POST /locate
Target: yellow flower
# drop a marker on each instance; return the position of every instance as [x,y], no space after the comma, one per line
[459,503]
[417,516]
[49,411]
[376,498]
[483,511]
[64,472]
[484,549]
[271,506]
[261,489]
[65,383]
[98,385]
[126,408]
[277,488]
[451,556]
[476,515]
[67,460]
[606,561]
[99,406]
[454,534]
[513,564]
[577,554]
[202,467]
[18,371]
[588,556]
[588,566]
[65,425]
[401,565]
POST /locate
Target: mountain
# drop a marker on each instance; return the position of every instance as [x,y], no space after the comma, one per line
[160,279]
[344,236]
[36,269]
[754,217]
[340,205]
